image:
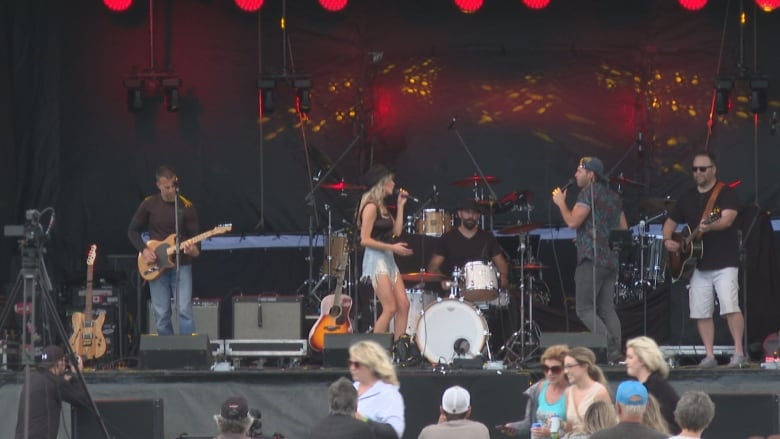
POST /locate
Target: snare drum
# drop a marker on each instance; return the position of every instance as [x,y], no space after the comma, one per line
[337,252]
[418,301]
[433,222]
[480,282]
[445,322]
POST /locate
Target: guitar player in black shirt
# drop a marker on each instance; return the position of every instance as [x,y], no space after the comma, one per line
[715,244]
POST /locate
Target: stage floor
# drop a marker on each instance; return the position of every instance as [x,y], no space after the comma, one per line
[293,400]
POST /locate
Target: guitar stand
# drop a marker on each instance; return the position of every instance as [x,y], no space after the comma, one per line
[34,284]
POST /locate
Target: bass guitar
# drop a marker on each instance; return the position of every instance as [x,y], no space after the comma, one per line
[683,261]
[335,312]
[87,340]
[167,248]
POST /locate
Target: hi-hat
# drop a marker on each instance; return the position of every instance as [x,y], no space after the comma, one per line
[656,203]
[422,276]
[342,186]
[519,228]
[626,181]
[475,180]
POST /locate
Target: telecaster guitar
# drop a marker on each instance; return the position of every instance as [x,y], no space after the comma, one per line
[167,248]
[88,340]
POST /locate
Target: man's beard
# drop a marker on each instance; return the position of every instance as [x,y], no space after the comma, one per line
[470,224]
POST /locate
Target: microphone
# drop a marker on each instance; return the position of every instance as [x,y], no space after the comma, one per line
[176,182]
[773,124]
[639,150]
[51,223]
[435,197]
[397,191]
[568,184]
[452,123]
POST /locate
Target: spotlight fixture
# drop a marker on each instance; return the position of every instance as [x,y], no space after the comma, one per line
[266,88]
[134,98]
[723,88]
[303,85]
[151,84]
[171,90]
[758,87]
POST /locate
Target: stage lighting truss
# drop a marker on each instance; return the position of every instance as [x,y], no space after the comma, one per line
[149,84]
[266,86]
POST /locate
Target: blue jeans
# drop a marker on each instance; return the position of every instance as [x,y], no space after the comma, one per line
[162,289]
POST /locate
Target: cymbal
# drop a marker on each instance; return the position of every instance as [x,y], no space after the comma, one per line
[341,186]
[422,276]
[519,228]
[656,203]
[533,266]
[626,181]
[475,180]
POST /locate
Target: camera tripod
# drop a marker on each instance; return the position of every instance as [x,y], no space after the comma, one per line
[34,286]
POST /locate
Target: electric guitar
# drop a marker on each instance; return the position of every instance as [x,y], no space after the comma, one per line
[683,261]
[87,340]
[335,313]
[167,248]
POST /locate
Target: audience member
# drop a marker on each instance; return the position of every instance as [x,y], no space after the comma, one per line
[645,362]
[587,385]
[630,402]
[341,422]
[233,420]
[380,403]
[453,418]
[653,417]
[693,414]
[599,416]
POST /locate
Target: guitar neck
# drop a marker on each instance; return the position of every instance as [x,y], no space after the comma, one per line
[88,296]
[194,240]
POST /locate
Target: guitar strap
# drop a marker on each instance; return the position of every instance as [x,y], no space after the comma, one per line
[710,204]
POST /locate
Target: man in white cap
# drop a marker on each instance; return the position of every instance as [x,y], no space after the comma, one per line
[453,420]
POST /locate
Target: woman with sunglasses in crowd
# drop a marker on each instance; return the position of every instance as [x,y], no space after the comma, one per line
[380,403]
[545,397]
[587,385]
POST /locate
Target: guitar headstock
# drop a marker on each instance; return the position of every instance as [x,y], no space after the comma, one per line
[223,228]
[92,255]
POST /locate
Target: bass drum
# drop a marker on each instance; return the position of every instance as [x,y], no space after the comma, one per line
[446,322]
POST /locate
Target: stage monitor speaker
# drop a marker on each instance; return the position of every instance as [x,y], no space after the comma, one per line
[205,314]
[130,418]
[268,317]
[594,342]
[175,352]
[336,349]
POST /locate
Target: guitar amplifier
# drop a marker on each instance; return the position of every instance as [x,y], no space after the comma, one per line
[268,317]
[105,295]
[205,313]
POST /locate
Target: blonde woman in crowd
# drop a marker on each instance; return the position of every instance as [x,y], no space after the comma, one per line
[587,385]
[653,418]
[380,403]
[600,415]
[645,362]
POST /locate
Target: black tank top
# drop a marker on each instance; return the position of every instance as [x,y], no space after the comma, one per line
[383,228]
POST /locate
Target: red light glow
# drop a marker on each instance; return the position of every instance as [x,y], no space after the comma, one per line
[333,5]
[468,6]
[693,5]
[536,4]
[118,5]
[768,5]
[249,5]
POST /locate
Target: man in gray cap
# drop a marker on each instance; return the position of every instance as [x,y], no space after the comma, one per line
[453,420]
[597,211]
[46,388]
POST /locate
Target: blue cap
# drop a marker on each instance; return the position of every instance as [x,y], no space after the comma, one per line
[631,392]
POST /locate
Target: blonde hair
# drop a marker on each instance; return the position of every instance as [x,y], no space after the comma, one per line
[586,357]
[600,415]
[375,194]
[646,349]
[652,416]
[555,352]
[373,356]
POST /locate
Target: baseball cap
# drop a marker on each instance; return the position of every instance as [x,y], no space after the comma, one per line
[593,164]
[235,408]
[52,354]
[631,392]
[456,400]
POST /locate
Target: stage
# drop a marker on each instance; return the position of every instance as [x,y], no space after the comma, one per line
[293,400]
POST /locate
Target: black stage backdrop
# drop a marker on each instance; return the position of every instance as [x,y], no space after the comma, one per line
[532,91]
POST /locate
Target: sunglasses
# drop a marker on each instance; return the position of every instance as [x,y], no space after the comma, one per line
[700,168]
[554,369]
[571,366]
[355,364]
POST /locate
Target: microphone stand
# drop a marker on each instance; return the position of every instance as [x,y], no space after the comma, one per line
[742,252]
[177,232]
[493,196]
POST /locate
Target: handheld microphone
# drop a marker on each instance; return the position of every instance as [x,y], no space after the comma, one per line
[639,150]
[176,182]
[452,123]
[406,194]
[51,224]
[568,184]
[773,124]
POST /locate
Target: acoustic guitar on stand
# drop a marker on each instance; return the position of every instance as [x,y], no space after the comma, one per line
[335,312]
[167,248]
[87,340]
[683,261]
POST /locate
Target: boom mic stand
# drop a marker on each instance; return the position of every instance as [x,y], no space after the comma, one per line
[493,197]
[33,283]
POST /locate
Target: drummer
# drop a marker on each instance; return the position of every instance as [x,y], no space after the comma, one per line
[467,243]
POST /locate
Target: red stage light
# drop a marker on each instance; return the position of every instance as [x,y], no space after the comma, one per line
[249,5]
[693,5]
[118,5]
[536,4]
[468,6]
[768,5]
[333,5]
